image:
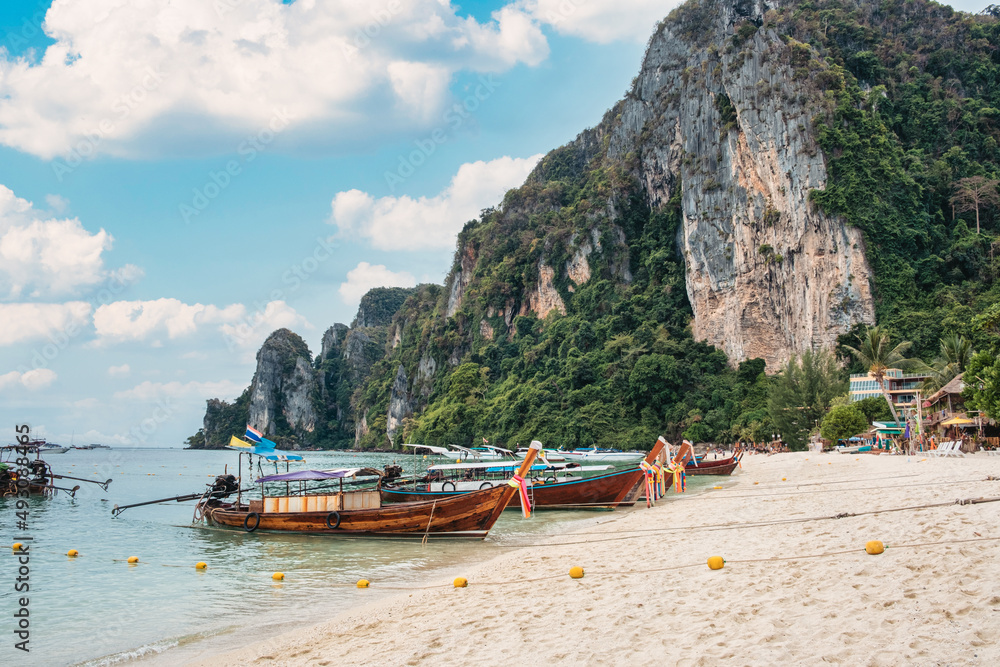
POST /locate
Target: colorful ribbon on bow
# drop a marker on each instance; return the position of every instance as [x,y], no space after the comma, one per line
[521,485]
[680,478]
[653,475]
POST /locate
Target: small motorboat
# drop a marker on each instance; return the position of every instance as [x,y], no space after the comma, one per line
[605,455]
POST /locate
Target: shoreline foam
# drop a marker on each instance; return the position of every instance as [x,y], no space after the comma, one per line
[648,591]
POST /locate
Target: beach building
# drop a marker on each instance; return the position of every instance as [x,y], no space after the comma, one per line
[903,388]
[945,414]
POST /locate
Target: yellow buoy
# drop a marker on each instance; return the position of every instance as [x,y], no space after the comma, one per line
[133,559]
[460,582]
[756,482]
[16,546]
[363,583]
[278,576]
[201,565]
[458,460]
[576,572]
[716,563]
[874,547]
[72,553]
[784,479]
[716,487]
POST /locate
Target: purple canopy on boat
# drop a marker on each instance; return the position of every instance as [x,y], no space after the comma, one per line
[309,475]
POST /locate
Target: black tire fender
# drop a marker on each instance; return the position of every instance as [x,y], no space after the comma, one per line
[246,522]
[330,523]
[444,487]
[486,485]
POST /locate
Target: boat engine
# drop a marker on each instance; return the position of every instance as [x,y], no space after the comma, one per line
[392,472]
[40,470]
[224,486]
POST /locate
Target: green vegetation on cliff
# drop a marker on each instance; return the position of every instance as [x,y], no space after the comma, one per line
[905,108]
[909,106]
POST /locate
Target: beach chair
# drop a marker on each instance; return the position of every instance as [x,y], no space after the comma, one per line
[956,450]
[944,449]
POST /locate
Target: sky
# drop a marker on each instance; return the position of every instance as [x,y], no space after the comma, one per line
[178,180]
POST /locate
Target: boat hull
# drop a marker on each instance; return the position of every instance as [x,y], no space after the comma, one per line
[601,492]
[720,467]
[467,515]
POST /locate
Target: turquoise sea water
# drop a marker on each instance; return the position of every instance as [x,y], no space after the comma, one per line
[98,610]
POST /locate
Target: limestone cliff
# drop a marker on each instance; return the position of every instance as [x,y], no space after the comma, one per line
[284,386]
[717,112]
[718,118]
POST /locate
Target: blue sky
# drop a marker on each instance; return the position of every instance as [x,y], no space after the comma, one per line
[176,181]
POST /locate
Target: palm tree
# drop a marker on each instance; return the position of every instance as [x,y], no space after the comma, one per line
[875,353]
[956,352]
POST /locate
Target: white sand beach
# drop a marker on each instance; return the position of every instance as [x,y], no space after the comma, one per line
[648,594]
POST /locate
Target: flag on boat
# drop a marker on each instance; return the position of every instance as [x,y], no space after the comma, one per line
[264,443]
[485,441]
[236,442]
[253,434]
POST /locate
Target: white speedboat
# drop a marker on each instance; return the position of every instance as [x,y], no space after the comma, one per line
[606,455]
[52,448]
[547,454]
[487,453]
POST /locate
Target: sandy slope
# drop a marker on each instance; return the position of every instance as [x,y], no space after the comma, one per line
[930,605]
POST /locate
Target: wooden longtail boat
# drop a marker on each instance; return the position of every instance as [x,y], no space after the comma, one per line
[720,467]
[603,491]
[361,512]
[40,478]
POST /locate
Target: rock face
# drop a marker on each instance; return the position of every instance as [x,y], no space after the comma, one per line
[379,304]
[460,279]
[767,274]
[400,405]
[333,340]
[284,385]
[544,298]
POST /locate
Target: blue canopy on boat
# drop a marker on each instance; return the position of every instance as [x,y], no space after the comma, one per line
[270,453]
[310,475]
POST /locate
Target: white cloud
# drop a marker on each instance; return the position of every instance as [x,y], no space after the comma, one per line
[46,257]
[601,21]
[20,322]
[33,380]
[150,391]
[126,275]
[119,371]
[251,331]
[136,78]
[57,203]
[364,277]
[138,320]
[404,223]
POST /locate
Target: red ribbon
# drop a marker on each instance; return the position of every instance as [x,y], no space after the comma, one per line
[522,487]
